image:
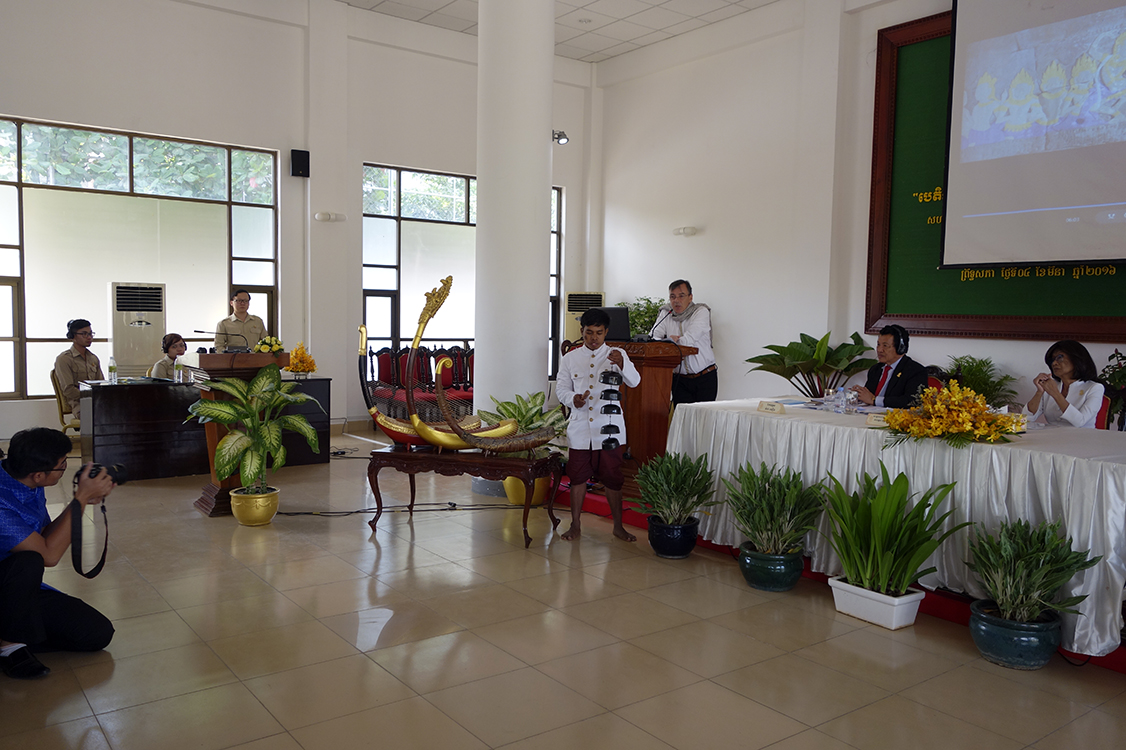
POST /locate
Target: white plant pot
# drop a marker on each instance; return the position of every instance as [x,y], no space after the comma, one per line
[891,612]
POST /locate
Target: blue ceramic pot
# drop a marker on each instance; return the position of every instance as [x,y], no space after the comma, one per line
[770,572]
[1008,643]
[673,541]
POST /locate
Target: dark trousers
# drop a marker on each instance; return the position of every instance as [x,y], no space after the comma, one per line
[45,619]
[694,390]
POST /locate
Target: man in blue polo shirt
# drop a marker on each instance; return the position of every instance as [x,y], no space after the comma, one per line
[34,616]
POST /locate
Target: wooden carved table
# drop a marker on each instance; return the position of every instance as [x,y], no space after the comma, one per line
[474,463]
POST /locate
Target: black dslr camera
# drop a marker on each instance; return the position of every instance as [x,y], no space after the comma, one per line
[116,472]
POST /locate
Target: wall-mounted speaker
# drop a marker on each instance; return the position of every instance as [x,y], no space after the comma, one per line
[299,163]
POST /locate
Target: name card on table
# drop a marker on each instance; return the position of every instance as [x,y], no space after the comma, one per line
[876,420]
[771,407]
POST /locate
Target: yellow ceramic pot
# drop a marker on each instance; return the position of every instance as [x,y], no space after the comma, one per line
[514,488]
[254,510]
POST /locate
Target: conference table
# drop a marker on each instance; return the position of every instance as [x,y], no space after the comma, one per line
[1077,475]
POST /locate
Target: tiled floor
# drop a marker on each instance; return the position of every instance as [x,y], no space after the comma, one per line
[441,631]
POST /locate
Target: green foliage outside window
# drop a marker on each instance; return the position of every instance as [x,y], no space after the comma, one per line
[252,177]
[7,150]
[642,314]
[75,158]
[380,191]
[434,196]
[186,170]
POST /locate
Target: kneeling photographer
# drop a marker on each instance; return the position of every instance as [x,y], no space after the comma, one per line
[35,617]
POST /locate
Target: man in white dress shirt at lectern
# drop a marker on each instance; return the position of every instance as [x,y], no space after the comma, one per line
[687,323]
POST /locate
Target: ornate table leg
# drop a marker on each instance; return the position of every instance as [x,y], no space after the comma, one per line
[529,491]
[557,477]
[373,480]
[410,508]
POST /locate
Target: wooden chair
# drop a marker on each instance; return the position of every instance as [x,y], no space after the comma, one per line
[1101,421]
[64,407]
[933,382]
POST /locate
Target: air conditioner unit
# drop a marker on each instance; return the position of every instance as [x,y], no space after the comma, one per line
[137,325]
[577,304]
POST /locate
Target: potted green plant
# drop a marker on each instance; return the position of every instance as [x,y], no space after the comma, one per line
[812,366]
[1022,569]
[980,375]
[882,542]
[253,441]
[774,511]
[643,314]
[530,415]
[1113,377]
[673,487]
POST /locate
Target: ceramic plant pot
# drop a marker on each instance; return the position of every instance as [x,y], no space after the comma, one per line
[673,541]
[1017,645]
[770,572]
[891,612]
[254,510]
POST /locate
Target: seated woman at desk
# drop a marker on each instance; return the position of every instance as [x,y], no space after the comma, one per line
[1071,395]
[173,346]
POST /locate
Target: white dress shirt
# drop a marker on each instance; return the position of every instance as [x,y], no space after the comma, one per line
[694,331]
[578,373]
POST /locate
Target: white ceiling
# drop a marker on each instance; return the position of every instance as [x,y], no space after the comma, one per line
[587,30]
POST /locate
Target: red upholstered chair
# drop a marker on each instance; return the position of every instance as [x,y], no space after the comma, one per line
[385,367]
[469,369]
[933,382]
[1101,421]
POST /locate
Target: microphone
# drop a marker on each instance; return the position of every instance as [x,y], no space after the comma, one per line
[658,323]
[235,349]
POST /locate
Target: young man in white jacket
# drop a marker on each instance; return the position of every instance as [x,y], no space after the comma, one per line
[582,387]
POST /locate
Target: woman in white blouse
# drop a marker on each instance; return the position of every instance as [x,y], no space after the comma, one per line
[1071,395]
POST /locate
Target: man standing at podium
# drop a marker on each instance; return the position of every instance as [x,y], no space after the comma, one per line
[688,323]
[241,329]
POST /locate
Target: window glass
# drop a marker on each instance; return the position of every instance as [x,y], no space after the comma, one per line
[379,241]
[554,211]
[380,278]
[186,170]
[252,232]
[252,273]
[436,197]
[553,258]
[182,244]
[432,252]
[8,134]
[7,366]
[9,261]
[380,191]
[7,312]
[252,177]
[377,314]
[75,158]
[473,200]
[9,215]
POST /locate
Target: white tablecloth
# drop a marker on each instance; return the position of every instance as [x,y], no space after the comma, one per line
[1057,472]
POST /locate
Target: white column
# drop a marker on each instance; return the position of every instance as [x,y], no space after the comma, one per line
[516,53]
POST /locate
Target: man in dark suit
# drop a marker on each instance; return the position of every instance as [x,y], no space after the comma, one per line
[897,379]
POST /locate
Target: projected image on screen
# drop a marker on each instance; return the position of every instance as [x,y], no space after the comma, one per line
[1038,121]
[1057,87]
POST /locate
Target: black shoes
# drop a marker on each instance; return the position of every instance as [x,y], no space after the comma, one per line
[22,665]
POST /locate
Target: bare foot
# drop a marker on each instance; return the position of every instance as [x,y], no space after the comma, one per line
[624,535]
[572,533]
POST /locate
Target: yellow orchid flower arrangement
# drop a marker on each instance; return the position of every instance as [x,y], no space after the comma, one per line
[269,345]
[955,414]
[300,360]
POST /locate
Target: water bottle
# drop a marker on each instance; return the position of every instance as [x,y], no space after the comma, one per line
[839,400]
[112,371]
[178,372]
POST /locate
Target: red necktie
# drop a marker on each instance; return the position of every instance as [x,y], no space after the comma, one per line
[883,379]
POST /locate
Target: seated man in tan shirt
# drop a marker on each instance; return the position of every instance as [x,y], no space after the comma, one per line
[77,363]
[241,329]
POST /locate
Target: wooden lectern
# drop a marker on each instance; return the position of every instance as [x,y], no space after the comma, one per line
[216,497]
[647,406]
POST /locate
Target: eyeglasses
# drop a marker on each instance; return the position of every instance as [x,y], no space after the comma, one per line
[674,297]
[1059,357]
[243,301]
[57,468]
[84,333]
